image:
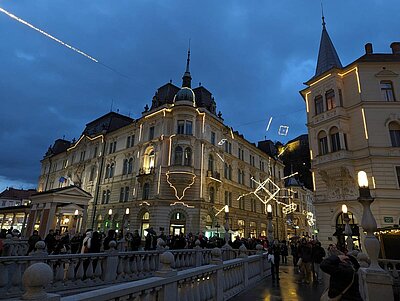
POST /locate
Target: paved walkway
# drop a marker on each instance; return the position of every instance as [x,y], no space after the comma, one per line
[288,288]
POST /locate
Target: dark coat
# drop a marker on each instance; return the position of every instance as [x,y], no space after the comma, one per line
[318,254]
[341,276]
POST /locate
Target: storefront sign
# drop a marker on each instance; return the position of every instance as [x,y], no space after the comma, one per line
[388,219]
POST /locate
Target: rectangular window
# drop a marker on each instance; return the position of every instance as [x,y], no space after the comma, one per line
[126,196]
[241,203]
[113,147]
[330,100]
[121,194]
[181,127]
[340,98]
[319,105]
[189,128]
[345,141]
[130,141]
[226,198]
[323,145]
[395,137]
[335,141]
[212,138]
[398,175]
[151,133]
[82,156]
[230,199]
[387,90]
[95,153]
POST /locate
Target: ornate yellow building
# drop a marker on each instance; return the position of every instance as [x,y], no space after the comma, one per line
[174,167]
[353,119]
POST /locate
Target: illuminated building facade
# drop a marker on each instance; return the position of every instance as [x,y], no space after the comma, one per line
[174,167]
[353,119]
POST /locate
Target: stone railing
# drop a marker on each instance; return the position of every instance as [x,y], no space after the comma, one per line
[84,271]
[13,246]
[219,280]
[393,268]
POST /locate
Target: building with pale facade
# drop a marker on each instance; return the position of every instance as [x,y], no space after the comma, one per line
[353,119]
[174,167]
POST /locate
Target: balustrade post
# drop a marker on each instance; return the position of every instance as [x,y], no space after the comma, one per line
[111,263]
[199,255]
[170,290]
[35,279]
[260,251]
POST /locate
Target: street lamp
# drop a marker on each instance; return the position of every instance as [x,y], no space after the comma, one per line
[126,219]
[109,218]
[347,229]
[226,226]
[368,222]
[270,227]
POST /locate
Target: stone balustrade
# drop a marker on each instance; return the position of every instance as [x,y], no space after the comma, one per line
[83,271]
[13,246]
[219,280]
[393,268]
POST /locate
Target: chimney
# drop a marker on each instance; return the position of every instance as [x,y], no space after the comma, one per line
[368,48]
[395,47]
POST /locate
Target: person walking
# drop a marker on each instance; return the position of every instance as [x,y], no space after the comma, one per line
[33,239]
[318,254]
[50,241]
[284,252]
[305,254]
[110,237]
[344,282]
[275,251]
[95,243]
[86,243]
[136,241]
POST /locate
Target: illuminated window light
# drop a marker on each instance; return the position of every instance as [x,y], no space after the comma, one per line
[202,168]
[373,182]
[316,82]
[365,123]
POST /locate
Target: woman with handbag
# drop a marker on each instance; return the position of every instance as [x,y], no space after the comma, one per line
[343,283]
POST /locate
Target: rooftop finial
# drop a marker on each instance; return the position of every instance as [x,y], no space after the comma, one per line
[188,59]
[186,77]
[323,17]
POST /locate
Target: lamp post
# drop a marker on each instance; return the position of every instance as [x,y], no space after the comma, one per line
[226,226]
[126,219]
[76,221]
[270,226]
[347,229]
[368,222]
[109,218]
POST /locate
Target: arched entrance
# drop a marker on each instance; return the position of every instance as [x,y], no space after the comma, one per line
[341,237]
[145,223]
[177,223]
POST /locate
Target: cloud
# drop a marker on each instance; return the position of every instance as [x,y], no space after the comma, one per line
[24,56]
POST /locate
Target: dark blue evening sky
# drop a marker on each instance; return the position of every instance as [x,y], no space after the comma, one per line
[252,55]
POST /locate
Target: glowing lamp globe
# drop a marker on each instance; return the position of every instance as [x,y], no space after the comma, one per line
[269,208]
[127,211]
[344,208]
[362,179]
[226,209]
[110,212]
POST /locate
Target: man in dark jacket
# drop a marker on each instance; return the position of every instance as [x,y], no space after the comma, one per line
[305,253]
[344,277]
[318,254]
[33,239]
[50,241]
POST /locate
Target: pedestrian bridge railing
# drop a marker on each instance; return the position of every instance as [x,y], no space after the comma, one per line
[219,280]
[393,268]
[85,271]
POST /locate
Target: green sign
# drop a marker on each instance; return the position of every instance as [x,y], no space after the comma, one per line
[388,219]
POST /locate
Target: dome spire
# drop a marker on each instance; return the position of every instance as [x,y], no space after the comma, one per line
[187,78]
[327,55]
[323,17]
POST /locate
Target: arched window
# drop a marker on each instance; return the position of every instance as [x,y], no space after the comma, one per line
[177,224]
[340,228]
[130,166]
[108,196]
[188,157]
[125,167]
[322,143]
[226,171]
[210,163]
[387,90]
[92,173]
[149,160]
[330,99]
[335,139]
[145,223]
[107,173]
[211,194]
[319,104]
[178,155]
[146,191]
[112,169]
[394,130]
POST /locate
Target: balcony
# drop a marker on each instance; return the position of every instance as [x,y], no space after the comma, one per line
[330,157]
[145,173]
[213,174]
[328,115]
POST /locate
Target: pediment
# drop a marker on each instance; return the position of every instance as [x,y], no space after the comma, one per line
[386,73]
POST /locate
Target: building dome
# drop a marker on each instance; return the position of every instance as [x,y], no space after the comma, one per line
[185,94]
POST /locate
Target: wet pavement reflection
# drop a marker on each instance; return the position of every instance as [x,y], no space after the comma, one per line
[289,288]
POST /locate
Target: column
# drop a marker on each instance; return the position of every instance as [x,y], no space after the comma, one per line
[83,222]
[23,234]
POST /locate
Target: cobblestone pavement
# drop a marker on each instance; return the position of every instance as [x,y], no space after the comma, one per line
[289,288]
